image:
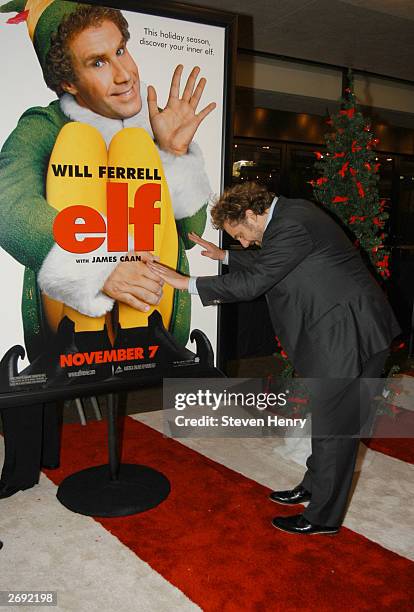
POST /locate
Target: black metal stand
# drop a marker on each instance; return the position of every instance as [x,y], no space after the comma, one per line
[114,489]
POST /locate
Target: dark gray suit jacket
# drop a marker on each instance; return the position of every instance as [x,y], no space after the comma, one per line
[327,310]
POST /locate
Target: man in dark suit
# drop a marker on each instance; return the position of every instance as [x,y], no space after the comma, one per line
[32,442]
[332,319]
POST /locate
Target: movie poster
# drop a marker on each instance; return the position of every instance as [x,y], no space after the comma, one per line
[112,148]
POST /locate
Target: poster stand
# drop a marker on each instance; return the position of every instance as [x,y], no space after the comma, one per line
[113,489]
[119,489]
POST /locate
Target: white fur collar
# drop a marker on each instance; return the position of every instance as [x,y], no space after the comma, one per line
[107,127]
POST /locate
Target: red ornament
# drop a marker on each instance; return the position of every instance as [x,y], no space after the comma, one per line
[338,199]
[18,18]
[377,222]
[355,147]
[318,154]
[321,180]
[360,188]
[353,171]
[348,112]
[354,218]
[343,170]
[372,143]
[298,400]
[282,352]
[383,263]
[367,166]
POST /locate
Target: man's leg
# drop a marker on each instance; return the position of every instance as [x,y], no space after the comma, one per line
[332,463]
[22,428]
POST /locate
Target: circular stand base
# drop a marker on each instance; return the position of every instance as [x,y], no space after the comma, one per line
[92,492]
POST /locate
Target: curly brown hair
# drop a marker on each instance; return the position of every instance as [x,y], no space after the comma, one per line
[231,206]
[58,65]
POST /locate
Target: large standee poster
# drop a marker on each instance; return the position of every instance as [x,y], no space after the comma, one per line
[113,144]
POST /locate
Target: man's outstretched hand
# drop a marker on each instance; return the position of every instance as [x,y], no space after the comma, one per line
[171,277]
[134,284]
[175,126]
[210,249]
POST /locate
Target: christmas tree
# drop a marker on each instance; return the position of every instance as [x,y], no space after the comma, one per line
[348,181]
[348,187]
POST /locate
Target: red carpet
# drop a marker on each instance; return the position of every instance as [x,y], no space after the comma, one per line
[399,447]
[213,540]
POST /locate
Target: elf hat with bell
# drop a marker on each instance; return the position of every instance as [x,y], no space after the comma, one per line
[43,18]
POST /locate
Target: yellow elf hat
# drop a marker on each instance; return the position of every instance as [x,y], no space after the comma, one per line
[43,18]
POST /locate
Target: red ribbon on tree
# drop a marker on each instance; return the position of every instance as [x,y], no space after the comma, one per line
[342,154]
[348,112]
[354,218]
[355,147]
[321,180]
[360,188]
[343,170]
[282,352]
[338,199]
[372,143]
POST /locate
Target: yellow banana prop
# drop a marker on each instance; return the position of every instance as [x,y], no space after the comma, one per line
[77,143]
[132,147]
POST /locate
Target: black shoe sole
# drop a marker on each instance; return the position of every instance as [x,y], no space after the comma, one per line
[296,503]
[304,533]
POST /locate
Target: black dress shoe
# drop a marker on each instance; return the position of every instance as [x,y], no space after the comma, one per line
[299,524]
[7,491]
[298,495]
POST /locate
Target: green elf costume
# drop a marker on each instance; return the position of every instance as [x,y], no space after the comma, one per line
[26,218]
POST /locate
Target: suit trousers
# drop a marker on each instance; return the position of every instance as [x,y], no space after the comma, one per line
[31,439]
[338,422]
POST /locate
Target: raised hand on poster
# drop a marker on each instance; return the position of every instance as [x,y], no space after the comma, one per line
[174,126]
[211,250]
